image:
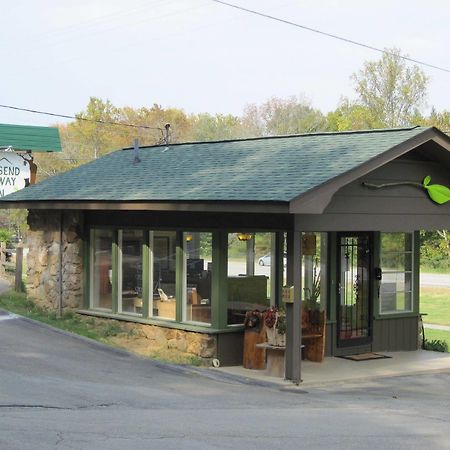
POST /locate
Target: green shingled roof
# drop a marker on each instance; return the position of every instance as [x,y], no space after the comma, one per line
[265,169]
[36,139]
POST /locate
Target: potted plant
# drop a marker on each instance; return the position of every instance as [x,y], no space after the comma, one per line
[275,322]
[270,320]
[280,336]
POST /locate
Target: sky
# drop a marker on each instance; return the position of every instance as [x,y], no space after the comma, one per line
[202,56]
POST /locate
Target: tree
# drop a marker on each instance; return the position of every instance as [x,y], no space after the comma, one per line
[391,89]
[282,116]
[351,116]
[207,127]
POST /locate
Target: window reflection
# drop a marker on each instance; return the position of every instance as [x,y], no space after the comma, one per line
[163,244]
[396,266]
[131,243]
[197,286]
[249,274]
[101,288]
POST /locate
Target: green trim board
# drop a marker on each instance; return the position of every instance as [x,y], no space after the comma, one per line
[30,138]
[161,322]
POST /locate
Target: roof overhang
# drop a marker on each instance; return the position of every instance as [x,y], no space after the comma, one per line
[217,206]
[316,200]
[30,138]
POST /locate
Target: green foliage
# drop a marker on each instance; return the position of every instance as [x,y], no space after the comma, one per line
[282,116]
[111,329]
[435,250]
[281,324]
[436,345]
[5,235]
[351,116]
[438,335]
[391,89]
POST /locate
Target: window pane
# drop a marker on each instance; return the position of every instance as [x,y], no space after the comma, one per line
[396,242]
[101,291]
[131,276]
[249,274]
[198,254]
[312,268]
[164,265]
[396,265]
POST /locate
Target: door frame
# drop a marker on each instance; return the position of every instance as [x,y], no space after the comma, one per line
[365,340]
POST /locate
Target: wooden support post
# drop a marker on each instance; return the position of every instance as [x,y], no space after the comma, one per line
[19,269]
[294,311]
[251,255]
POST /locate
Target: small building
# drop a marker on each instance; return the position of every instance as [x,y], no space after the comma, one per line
[190,237]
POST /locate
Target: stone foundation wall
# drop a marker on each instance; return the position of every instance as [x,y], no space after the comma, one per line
[198,344]
[43,241]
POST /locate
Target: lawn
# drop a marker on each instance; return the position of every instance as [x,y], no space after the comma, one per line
[435,302]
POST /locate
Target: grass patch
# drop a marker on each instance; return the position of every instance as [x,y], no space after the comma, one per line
[19,303]
[441,335]
[126,335]
[435,302]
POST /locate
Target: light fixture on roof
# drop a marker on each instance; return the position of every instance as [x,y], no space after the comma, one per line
[244,236]
[188,237]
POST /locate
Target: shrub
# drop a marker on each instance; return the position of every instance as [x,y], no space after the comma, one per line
[436,345]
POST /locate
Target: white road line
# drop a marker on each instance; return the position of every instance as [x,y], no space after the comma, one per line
[8,317]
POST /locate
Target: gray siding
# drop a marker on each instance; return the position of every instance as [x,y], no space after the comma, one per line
[401,208]
[395,334]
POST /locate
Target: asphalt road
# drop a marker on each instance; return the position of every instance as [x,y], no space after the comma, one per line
[63,392]
[435,279]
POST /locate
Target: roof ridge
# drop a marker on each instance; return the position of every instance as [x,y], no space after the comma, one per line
[283,136]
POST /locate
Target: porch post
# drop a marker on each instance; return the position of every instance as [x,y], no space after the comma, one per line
[251,256]
[294,312]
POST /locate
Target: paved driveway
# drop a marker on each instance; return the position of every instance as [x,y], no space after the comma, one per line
[63,392]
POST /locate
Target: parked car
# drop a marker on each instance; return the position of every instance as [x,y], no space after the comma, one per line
[266,260]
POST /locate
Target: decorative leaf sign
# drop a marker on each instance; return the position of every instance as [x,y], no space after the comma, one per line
[438,193]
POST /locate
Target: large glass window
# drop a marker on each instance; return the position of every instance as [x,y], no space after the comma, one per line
[396,271]
[314,248]
[198,276]
[163,250]
[101,269]
[249,274]
[130,286]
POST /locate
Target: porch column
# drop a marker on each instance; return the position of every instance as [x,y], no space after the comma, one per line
[251,255]
[294,311]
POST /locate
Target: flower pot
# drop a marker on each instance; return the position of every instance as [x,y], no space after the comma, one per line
[271,335]
[280,340]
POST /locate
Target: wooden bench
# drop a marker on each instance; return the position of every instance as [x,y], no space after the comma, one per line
[313,334]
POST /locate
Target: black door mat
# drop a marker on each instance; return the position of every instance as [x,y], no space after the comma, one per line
[365,356]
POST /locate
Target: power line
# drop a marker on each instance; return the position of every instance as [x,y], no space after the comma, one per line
[334,36]
[64,116]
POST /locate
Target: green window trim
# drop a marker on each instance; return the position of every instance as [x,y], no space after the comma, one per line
[414,273]
[219,281]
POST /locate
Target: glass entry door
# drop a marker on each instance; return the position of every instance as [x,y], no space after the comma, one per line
[354,299]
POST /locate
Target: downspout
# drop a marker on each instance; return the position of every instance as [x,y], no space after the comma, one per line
[61,250]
